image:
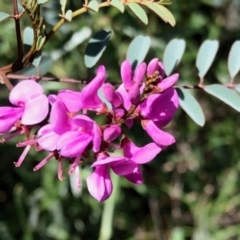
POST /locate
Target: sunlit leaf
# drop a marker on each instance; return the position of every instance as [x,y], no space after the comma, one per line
[68,15]
[139,12]
[63,5]
[28,36]
[118,4]
[206,55]
[173,54]
[43,1]
[191,106]
[93,5]
[162,12]
[234,59]
[138,50]
[96,47]
[228,96]
[3,16]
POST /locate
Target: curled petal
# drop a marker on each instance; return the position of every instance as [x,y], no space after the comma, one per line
[140,73]
[168,82]
[140,155]
[59,119]
[135,177]
[35,110]
[126,74]
[24,91]
[71,99]
[99,184]
[90,98]
[96,137]
[124,167]
[163,139]
[73,144]
[152,66]
[160,107]
[48,141]
[8,117]
[111,133]
[125,97]
[134,93]
[110,95]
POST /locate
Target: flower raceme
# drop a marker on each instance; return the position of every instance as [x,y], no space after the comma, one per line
[63,128]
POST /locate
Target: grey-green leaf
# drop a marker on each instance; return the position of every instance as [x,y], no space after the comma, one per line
[37,59]
[206,55]
[190,105]
[228,96]
[44,66]
[173,54]
[139,12]
[63,5]
[28,36]
[234,59]
[96,47]
[3,16]
[118,4]
[138,50]
[93,5]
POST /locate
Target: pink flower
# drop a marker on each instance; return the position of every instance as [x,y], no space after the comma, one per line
[99,183]
[32,106]
[73,143]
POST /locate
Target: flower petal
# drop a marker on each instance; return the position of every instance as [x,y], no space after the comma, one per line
[59,119]
[126,74]
[125,97]
[168,82]
[111,133]
[152,66]
[140,73]
[110,95]
[35,110]
[135,177]
[96,137]
[8,117]
[71,99]
[108,160]
[124,167]
[160,107]
[24,91]
[140,155]
[99,184]
[48,141]
[163,139]
[73,144]
[90,98]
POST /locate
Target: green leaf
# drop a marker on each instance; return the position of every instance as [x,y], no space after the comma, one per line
[162,12]
[191,106]
[206,55]
[234,59]
[138,50]
[28,36]
[63,6]
[3,16]
[118,4]
[44,66]
[93,5]
[173,54]
[228,96]
[177,234]
[96,47]
[68,15]
[40,42]
[139,12]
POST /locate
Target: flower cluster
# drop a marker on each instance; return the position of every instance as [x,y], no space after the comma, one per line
[60,124]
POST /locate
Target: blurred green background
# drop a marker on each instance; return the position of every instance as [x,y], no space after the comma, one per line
[191,190]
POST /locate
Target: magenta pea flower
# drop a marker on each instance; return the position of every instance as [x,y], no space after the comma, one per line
[31,106]
[73,143]
[99,183]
